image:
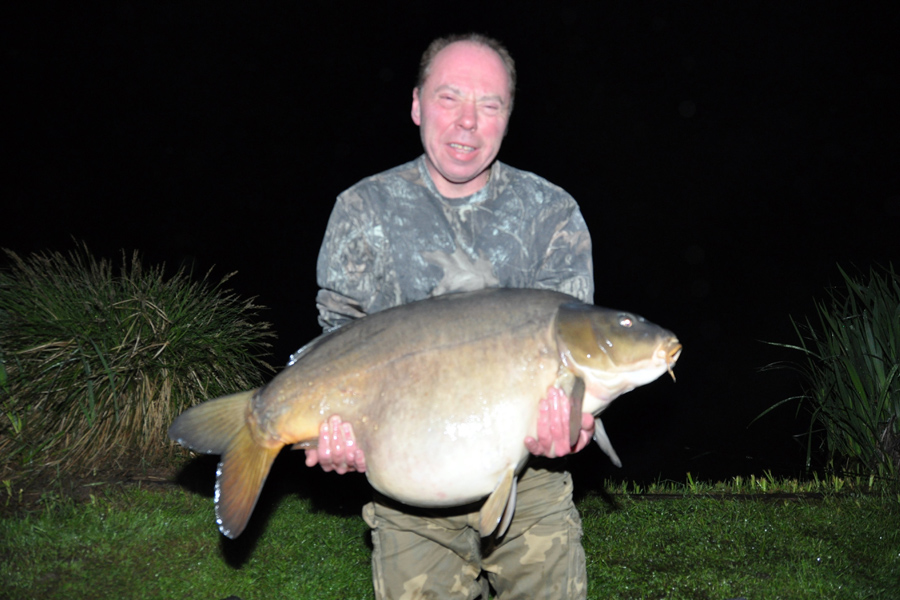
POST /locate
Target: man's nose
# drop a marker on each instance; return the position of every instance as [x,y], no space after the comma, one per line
[468,116]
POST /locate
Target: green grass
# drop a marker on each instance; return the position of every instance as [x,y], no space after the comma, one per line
[695,541]
[699,547]
[142,543]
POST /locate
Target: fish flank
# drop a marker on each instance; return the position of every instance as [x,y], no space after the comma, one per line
[445,347]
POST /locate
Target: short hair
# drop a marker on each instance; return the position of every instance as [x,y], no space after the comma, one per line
[476,38]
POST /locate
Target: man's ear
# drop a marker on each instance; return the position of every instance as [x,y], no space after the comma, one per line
[416,112]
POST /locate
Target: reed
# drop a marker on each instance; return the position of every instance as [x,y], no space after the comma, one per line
[852,373]
[96,361]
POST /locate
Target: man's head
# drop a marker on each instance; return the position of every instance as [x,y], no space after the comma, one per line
[462,105]
[440,43]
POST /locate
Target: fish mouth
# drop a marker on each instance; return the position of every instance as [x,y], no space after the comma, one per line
[672,354]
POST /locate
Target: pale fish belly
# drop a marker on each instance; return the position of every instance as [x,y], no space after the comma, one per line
[458,461]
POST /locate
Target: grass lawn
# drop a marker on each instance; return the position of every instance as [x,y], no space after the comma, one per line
[691,541]
[726,547]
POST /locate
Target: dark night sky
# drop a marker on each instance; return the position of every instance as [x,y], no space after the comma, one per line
[725,159]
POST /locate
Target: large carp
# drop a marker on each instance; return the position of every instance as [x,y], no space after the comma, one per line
[460,374]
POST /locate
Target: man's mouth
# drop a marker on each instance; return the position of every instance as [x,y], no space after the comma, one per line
[462,147]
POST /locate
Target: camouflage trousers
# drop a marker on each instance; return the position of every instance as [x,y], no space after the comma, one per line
[436,555]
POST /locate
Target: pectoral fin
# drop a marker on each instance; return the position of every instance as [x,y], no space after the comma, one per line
[603,441]
[573,386]
[510,509]
[576,398]
[498,509]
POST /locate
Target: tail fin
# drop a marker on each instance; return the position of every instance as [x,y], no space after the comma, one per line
[239,480]
[210,427]
[220,427]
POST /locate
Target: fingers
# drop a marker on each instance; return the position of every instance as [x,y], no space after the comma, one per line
[549,429]
[558,427]
[553,427]
[334,453]
[359,462]
[586,433]
[353,458]
[558,417]
[337,448]
[312,457]
[541,446]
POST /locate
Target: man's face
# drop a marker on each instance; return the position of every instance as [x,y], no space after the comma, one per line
[462,111]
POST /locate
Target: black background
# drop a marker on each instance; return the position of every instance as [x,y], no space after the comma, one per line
[726,157]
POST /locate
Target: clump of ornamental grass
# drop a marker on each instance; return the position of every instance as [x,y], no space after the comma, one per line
[96,361]
[852,373]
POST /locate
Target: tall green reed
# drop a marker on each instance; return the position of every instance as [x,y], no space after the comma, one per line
[96,362]
[852,372]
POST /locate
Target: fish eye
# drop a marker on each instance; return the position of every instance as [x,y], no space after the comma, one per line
[626,321]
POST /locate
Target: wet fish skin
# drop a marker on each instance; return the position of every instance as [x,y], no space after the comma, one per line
[460,374]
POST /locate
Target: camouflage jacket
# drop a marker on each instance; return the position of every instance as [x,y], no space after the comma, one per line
[393,238]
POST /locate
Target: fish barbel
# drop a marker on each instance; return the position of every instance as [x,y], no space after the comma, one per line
[459,374]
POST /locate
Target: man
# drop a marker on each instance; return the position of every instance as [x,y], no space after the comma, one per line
[453,220]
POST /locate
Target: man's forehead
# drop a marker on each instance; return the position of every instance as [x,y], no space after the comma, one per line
[463,64]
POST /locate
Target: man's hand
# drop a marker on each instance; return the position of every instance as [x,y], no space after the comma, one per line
[337,450]
[553,427]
